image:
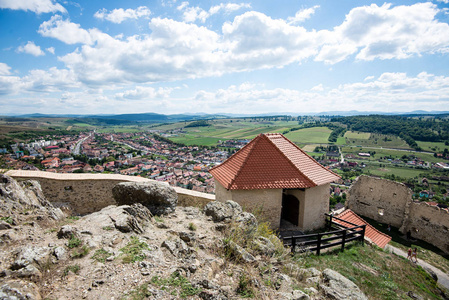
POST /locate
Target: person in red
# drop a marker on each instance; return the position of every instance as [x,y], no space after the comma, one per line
[409,254]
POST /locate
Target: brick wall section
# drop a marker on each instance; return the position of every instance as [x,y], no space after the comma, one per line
[390,202]
[87,193]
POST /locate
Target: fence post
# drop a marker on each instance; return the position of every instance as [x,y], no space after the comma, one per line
[330,222]
[293,244]
[363,234]
[343,241]
[318,245]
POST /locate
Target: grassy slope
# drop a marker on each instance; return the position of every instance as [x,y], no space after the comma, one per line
[380,275]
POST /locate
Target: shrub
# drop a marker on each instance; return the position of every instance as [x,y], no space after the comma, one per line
[132,252]
[74,268]
[74,242]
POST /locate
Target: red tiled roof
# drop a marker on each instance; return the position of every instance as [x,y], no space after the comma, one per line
[271,161]
[377,237]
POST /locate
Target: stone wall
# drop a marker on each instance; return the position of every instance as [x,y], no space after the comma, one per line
[390,202]
[86,193]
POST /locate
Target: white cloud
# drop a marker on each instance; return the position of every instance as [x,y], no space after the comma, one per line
[385,32]
[144,93]
[119,15]
[51,50]
[37,6]
[4,69]
[192,14]
[302,15]
[228,7]
[318,88]
[31,48]
[68,32]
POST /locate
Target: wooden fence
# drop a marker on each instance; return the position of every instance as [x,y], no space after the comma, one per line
[317,242]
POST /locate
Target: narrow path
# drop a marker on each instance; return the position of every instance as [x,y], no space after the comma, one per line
[443,278]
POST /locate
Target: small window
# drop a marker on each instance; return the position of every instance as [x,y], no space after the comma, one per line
[380,211]
[68,188]
[394,194]
[370,189]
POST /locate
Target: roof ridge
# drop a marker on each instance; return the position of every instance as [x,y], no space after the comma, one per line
[313,159]
[288,159]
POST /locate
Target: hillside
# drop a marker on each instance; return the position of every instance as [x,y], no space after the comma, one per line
[124,252]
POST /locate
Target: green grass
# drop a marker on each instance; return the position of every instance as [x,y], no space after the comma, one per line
[100,255]
[180,286]
[74,242]
[74,268]
[357,135]
[376,272]
[314,135]
[133,251]
[432,146]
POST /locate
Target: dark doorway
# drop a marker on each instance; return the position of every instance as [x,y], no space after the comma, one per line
[290,208]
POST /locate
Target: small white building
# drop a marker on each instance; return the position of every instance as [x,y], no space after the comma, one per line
[273,174]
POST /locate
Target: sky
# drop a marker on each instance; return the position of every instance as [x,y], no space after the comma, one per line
[172,56]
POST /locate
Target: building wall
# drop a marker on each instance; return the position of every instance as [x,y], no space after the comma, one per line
[270,201]
[391,203]
[87,193]
[382,200]
[316,204]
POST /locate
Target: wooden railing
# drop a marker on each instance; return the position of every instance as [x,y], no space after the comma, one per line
[319,241]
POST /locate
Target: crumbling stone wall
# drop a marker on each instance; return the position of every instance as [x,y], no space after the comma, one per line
[87,193]
[382,200]
[391,202]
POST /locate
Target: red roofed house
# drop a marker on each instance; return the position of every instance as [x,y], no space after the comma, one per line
[274,174]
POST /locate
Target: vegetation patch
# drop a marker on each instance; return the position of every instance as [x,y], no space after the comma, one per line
[176,280]
[133,251]
[101,255]
[73,268]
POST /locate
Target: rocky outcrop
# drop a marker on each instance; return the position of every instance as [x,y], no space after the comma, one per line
[159,198]
[338,287]
[23,197]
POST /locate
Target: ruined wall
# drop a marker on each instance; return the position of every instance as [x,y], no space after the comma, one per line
[391,203]
[379,199]
[429,223]
[270,201]
[87,193]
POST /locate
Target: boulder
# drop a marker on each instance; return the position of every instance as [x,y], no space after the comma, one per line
[219,211]
[338,287]
[246,220]
[128,218]
[66,232]
[177,247]
[158,197]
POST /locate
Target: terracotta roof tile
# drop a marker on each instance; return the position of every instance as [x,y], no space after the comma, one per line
[377,237]
[271,161]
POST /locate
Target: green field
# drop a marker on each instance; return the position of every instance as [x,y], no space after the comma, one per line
[357,135]
[314,135]
[432,146]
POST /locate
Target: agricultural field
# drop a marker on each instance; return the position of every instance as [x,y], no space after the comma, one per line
[314,135]
[432,146]
[372,140]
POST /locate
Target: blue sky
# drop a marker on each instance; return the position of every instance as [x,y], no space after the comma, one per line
[171,56]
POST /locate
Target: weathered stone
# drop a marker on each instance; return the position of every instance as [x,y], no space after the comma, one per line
[60,253]
[176,247]
[188,237]
[31,255]
[4,225]
[431,273]
[295,295]
[66,232]
[264,246]
[240,253]
[219,211]
[246,220]
[338,287]
[159,198]
[414,296]
[20,290]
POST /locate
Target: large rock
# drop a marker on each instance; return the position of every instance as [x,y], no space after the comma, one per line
[158,197]
[126,218]
[226,211]
[338,287]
